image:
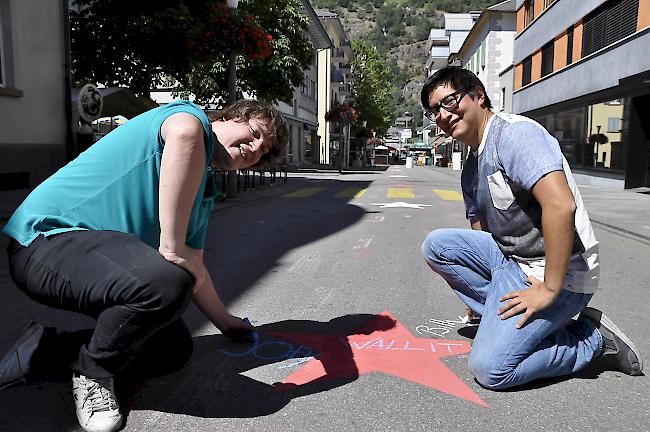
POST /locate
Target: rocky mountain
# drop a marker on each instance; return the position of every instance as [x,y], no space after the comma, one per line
[399,29]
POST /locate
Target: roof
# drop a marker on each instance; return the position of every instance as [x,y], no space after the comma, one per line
[317,33]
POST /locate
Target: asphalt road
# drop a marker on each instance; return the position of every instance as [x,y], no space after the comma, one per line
[356,333]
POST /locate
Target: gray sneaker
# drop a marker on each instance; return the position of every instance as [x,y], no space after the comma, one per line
[15,365]
[615,344]
[97,409]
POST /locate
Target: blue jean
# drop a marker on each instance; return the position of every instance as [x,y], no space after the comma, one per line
[549,345]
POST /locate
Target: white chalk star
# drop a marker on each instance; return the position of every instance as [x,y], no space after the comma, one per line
[401,204]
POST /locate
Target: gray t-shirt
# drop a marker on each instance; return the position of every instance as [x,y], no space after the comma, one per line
[513,156]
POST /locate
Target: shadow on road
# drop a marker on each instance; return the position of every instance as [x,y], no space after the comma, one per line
[212,384]
[243,245]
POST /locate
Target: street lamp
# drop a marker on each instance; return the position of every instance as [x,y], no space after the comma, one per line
[596,148]
[341,100]
[363,152]
[232,65]
[231,188]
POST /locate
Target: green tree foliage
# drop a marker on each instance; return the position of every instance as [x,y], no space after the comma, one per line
[130,43]
[373,90]
[273,78]
[143,44]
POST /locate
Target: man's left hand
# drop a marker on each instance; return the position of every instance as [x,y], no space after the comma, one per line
[527,301]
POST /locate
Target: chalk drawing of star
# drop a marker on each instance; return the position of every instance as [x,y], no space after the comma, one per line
[401,204]
[374,348]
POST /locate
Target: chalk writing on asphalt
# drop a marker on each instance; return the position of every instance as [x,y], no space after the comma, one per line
[277,350]
[436,327]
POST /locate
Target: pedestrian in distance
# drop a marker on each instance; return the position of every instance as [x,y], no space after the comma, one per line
[530,262]
[118,234]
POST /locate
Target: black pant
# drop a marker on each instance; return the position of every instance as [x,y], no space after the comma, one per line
[127,286]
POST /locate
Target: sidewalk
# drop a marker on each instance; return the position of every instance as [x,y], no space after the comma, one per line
[625,211]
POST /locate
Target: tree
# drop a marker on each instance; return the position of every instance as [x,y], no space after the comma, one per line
[273,78]
[143,44]
[373,90]
[130,43]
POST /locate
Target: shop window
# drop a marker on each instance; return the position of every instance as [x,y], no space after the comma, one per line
[609,23]
[569,46]
[2,57]
[4,41]
[527,67]
[547,58]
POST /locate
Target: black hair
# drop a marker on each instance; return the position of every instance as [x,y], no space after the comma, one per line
[458,78]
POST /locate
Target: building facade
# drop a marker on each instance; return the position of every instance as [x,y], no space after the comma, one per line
[488,50]
[335,88]
[582,70]
[443,47]
[34,100]
[301,115]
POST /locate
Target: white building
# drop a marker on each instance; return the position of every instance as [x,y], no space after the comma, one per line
[335,87]
[488,50]
[302,115]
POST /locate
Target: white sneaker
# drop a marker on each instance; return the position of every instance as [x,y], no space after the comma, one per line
[97,409]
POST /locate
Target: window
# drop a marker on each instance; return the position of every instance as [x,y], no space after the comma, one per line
[3,37]
[527,66]
[613,125]
[547,58]
[2,57]
[609,23]
[529,12]
[569,46]
[502,104]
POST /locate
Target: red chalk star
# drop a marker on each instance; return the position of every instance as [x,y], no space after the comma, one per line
[393,351]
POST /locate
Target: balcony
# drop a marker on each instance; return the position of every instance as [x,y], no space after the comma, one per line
[337,55]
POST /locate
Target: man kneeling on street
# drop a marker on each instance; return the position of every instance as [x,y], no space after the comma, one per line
[530,262]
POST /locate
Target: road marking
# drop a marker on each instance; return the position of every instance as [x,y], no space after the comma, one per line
[400,193]
[449,195]
[378,219]
[401,204]
[363,244]
[307,263]
[351,193]
[399,176]
[304,193]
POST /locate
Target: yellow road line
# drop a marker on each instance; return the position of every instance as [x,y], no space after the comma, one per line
[304,192]
[449,195]
[351,193]
[400,193]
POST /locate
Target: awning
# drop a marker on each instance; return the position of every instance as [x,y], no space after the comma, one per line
[119,101]
[442,140]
